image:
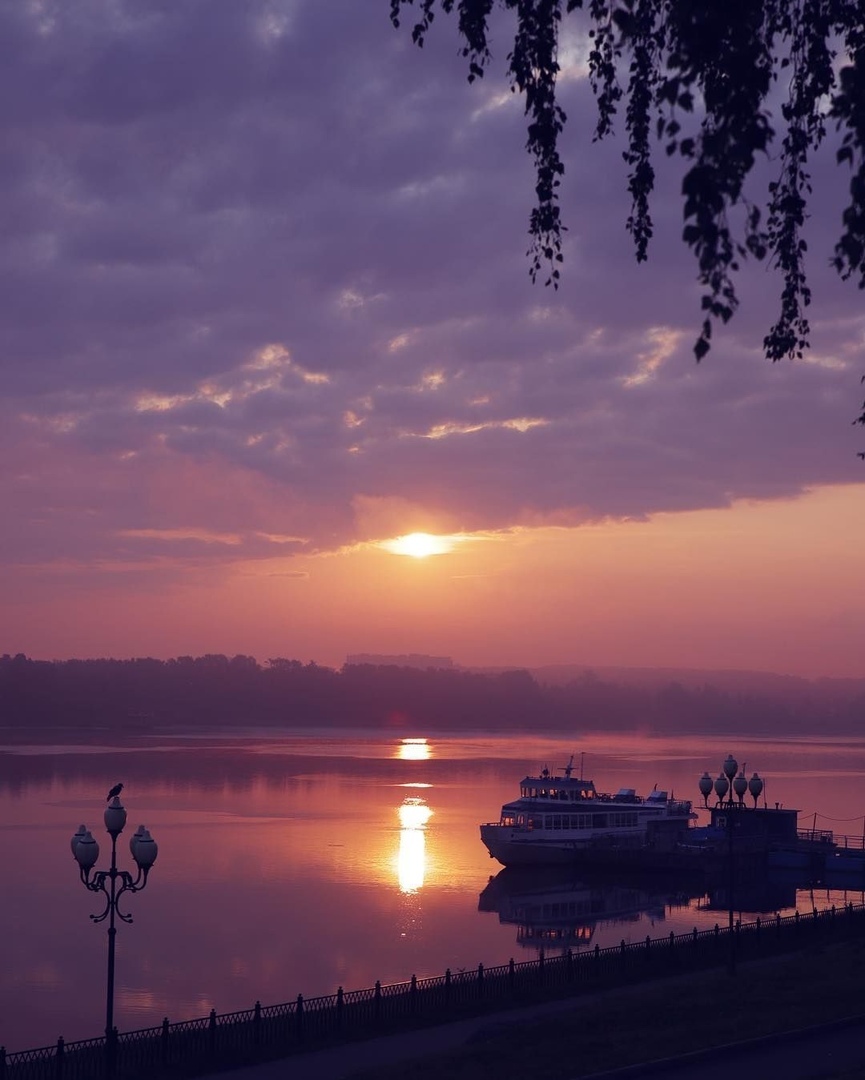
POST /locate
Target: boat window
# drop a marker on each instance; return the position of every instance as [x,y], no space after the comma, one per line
[508,819]
[535,821]
[557,821]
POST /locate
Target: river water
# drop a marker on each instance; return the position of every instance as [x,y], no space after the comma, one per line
[297,862]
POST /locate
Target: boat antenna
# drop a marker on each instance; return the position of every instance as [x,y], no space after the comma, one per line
[569,767]
[582,759]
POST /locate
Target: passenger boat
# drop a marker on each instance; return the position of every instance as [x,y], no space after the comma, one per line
[564,819]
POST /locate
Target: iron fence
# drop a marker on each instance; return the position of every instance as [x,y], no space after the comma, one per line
[221,1041]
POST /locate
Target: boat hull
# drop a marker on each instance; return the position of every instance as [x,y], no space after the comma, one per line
[514,847]
[512,850]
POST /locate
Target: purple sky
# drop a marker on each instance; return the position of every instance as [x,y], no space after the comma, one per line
[265,297]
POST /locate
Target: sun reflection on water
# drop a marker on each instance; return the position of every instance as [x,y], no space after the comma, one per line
[411,860]
[414,750]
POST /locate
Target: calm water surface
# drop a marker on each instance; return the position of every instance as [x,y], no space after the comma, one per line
[292,863]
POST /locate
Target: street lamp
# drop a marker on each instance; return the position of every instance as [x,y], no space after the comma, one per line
[113,883]
[729,770]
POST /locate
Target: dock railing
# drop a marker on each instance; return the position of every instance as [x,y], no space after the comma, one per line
[850,843]
[227,1040]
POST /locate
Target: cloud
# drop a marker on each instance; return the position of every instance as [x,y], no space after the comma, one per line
[262,281]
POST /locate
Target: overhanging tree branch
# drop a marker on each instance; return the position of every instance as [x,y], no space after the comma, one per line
[716,64]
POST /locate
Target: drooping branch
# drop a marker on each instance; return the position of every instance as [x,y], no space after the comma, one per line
[717,63]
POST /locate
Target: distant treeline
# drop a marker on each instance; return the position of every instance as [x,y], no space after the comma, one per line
[214,689]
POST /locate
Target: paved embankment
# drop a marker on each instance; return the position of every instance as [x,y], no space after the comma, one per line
[808,1054]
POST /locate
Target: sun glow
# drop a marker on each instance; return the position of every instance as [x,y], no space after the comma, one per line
[419,545]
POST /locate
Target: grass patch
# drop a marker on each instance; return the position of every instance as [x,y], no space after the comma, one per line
[660,1019]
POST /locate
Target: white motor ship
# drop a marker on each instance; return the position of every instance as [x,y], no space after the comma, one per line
[563,819]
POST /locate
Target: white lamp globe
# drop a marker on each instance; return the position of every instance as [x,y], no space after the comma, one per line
[87,851]
[78,835]
[145,851]
[133,840]
[115,817]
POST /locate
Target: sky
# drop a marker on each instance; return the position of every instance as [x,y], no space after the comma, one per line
[266,307]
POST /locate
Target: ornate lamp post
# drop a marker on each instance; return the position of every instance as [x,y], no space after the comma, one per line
[728,782]
[113,883]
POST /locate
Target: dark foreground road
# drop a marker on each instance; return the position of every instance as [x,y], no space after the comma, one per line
[816,1053]
[813,1054]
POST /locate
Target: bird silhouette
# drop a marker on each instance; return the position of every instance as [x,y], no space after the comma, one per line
[114,791]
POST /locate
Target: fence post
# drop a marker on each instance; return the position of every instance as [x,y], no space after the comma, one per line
[163,1041]
[480,980]
[340,1001]
[2,1062]
[256,1023]
[377,1000]
[541,967]
[110,1054]
[569,961]
[413,995]
[512,974]
[299,1015]
[447,986]
[211,1033]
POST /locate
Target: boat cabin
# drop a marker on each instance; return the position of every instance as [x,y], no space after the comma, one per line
[560,788]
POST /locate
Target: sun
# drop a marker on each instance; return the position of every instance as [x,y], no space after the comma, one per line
[419,545]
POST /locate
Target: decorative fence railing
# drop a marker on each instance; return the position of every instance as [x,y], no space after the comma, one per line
[224,1041]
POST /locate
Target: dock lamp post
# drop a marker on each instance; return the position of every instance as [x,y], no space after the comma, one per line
[113,883]
[725,783]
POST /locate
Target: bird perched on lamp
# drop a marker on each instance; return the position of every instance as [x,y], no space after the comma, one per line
[114,791]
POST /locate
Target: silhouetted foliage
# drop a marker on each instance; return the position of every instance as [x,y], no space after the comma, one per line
[140,695]
[698,77]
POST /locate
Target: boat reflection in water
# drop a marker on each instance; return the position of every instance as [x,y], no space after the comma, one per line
[757,894]
[553,910]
